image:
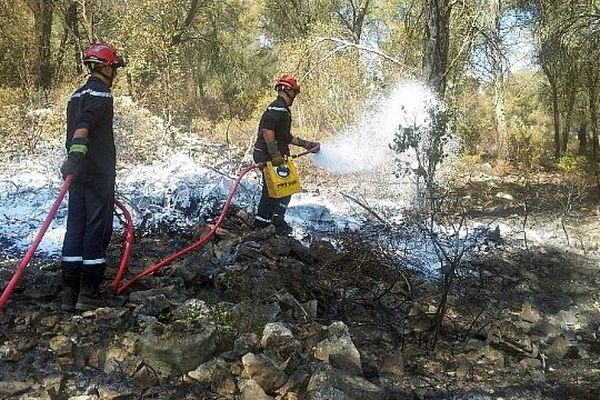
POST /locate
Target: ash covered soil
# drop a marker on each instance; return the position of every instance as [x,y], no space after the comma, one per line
[344,314]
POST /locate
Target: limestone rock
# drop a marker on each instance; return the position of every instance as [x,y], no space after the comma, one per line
[296,382]
[544,329]
[508,337]
[250,390]
[204,372]
[9,352]
[529,313]
[145,377]
[153,305]
[332,384]
[276,335]
[264,371]
[530,363]
[14,388]
[339,348]
[52,383]
[139,297]
[223,383]
[179,352]
[61,345]
[505,196]
[111,394]
[558,348]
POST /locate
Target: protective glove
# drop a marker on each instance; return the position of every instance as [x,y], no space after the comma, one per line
[274,153]
[74,165]
[313,147]
[276,159]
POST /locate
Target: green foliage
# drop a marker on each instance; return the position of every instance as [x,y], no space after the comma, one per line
[474,118]
[291,20]
[573,165]
[333,92]
[398,30]
[529,124]
[16,50]
[212,67]
[425,148]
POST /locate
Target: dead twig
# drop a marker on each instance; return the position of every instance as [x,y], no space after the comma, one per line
[367,208]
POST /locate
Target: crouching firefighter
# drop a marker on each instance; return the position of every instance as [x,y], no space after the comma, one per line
[91,163]
[272,144]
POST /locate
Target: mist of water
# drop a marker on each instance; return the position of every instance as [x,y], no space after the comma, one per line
[365,145]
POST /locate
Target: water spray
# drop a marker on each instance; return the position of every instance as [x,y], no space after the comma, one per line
[365,146]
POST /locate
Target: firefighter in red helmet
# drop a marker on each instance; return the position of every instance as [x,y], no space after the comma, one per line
[272,144]
[91,163]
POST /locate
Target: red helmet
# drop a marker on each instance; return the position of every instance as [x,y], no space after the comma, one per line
[101,53]
[287,81]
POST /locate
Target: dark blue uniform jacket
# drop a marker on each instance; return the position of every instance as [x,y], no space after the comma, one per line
[277,117]
[91,107]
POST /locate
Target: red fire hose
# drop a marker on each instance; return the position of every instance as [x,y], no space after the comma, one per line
[38,238]
[127,247]
[118,289]
[200,242]
[36,241]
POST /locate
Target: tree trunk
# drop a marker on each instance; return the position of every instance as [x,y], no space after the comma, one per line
[593,121]
[556,122]
[570,94]
[72,25]
[592,80]
[435,45]
[566,131]
[42,14]
[497,61]
[555,111]
[354,18]
[582,136]
[195,5]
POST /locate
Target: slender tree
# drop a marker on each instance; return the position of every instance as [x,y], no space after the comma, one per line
[435,45]
[42,13]
[352,14]
[497,65]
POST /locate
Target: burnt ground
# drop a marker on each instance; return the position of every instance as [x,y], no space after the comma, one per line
[522,321]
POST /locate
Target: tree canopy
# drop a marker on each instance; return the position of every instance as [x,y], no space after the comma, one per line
[216,60]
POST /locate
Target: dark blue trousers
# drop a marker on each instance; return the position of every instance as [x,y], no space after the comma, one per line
[270,210]
[89,229]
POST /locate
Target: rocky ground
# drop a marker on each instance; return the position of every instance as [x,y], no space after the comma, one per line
[255,315]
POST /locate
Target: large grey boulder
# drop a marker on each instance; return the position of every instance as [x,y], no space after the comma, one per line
[250,390]
[339,350]
[337,385]
[264,371]
[173,353]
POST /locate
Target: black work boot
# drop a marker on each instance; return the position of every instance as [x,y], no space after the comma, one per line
[70,277]
[281,227]
[89,294]
[69,299]
[89,298]
[260,223]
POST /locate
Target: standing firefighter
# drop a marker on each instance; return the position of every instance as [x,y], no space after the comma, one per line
[272,144]
[91,163]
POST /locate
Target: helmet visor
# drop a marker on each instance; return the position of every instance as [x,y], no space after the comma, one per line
[120,63]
